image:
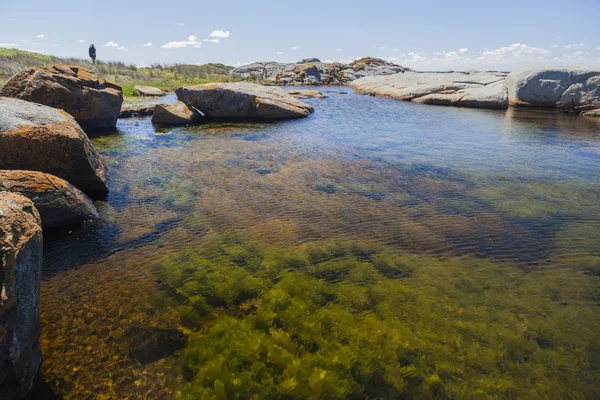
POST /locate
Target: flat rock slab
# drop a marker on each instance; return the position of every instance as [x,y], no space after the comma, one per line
[94,102]
[20,277]
[243,100]
[58,202]
[592,113]
[176,114]
[149,91]
[38,138]
[472,89]
[306,94]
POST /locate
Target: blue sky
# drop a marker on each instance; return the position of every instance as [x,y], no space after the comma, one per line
[420,34]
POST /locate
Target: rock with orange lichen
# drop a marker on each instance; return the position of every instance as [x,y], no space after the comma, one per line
[20,275]
[58,202]
[93,101]
[175,114]
[39,138]
[243,100]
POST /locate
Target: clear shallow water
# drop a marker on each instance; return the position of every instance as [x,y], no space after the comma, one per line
[377,248]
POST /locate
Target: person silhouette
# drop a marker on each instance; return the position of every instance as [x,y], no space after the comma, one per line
[92,53]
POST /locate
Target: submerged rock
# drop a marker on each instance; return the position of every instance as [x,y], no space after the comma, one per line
[150,91]
[39,138]
[306,94]
[592,113]
[470,89]
[93,101]
[176,114]
[20,275]
[58,202]
[554,87]
[243,101]
[137,110]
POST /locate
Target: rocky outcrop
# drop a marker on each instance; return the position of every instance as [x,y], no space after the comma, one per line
[20,275]
[93,101]
[314,72]
[554,87]
[243,101]
[176,114]
[39,138]
[149,91]
[58,202]
[306,94]
[469,89]
[137,110]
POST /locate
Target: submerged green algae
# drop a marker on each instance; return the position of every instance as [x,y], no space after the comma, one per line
[342,320]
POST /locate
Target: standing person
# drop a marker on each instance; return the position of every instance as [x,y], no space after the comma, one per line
[92,52]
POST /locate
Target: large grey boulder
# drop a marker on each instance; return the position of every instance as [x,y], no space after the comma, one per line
[243,100]
[20,276]
[554,87]
[259,70]
[58,202]
[93,101]
[468,89]
[38,138]
[175,114]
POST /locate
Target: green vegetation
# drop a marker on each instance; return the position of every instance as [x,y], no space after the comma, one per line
[356,321]
[166,77]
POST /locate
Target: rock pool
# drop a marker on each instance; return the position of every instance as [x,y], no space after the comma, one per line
[377,249]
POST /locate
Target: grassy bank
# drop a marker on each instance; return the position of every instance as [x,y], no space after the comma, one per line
[166,77]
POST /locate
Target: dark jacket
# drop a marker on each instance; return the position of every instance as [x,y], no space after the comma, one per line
[92,51]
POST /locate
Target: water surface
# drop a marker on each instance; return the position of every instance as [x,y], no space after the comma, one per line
[376,249]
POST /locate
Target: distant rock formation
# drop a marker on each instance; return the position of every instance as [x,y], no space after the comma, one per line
[243,100]
[38,138]
[548,88]
[58,202]
[94,102]
[314,72]
[20,277]
[150,91]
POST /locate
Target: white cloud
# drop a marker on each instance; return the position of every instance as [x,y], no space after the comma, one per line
[212,40]
[555,46]
[339,50]
[180,24]
[573,46]
[9,45]
[382,48]
[149,44]
[191,41]
[220,34]
[40,36]
[515,50]
[463,50]
[395,50]
[598,48]
[81,41]
[111,44]
[122,48]
[279,53]
[295,48]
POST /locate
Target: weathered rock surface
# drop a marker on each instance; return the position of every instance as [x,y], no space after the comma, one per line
[554,87]
[20,275]
[470,89]
[243,101]
[149,91]
[38,138]
[592,113]
[176,114]
[137,110]
[94,102]
[314,72]
[306,94]
[58,202]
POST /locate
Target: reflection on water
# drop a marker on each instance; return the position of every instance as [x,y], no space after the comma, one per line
[376,249]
